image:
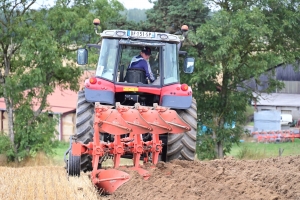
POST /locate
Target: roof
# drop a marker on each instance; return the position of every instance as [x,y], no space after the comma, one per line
[283,72]
[142,35]
[61,100]
[278,99]
[288,72]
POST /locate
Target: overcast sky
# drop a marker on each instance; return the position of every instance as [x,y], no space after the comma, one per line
[141,4]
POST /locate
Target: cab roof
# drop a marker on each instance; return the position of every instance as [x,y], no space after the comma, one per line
[141,35]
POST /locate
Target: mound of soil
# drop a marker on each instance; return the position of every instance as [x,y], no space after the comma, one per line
[273,178]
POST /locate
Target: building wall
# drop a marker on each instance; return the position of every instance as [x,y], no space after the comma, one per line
[294,111]
[68,123]
[3,121]
[267,120]
[291,87]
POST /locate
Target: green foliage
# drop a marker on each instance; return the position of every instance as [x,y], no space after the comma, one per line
[38,54]
[205,145]
[240,41]
[169,16]
[34,133]
[249,114]
[5,146]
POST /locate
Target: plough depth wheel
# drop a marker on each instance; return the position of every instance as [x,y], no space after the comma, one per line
[73,165]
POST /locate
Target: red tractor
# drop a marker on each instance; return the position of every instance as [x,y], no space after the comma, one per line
[121,114]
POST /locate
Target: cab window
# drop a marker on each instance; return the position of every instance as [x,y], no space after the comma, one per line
[107,59]
[170,65]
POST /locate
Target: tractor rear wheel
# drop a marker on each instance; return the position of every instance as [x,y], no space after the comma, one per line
[183,146]
[84,127]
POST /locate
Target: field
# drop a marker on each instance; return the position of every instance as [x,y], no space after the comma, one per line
[253,150]
[47,182]
[229,178]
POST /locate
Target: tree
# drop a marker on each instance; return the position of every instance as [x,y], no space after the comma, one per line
[169,16]
[33,46]
[242,40]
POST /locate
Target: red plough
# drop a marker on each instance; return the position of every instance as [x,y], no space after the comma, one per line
[127,124]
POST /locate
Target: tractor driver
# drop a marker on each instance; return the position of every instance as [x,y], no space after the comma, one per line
[141,62]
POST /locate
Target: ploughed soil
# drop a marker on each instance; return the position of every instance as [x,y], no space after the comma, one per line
[272,178]
[228,178]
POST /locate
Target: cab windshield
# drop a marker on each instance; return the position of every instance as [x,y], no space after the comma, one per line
[163,61]
[107,59]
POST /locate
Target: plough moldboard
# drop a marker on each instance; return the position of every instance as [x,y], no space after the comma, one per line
[132,121]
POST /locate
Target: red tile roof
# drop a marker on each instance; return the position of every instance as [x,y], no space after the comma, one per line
[60,101]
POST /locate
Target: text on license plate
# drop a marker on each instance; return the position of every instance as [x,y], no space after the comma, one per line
[141,34]
[130,89]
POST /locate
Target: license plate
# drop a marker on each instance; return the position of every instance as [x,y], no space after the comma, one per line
[141,34]
[130,89]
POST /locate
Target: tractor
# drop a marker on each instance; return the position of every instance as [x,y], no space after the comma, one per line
[122,115]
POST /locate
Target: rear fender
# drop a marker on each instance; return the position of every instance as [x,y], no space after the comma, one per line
[173,96]
[100,84]
[102,91]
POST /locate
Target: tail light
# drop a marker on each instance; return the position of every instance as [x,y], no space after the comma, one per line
[184,87]
[93,80]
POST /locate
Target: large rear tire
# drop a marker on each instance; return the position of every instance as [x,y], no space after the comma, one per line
[183,146]
[84,127]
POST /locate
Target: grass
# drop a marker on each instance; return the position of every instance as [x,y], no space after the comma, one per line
[245,150]
[60,150]
[253,150]
[250,124]
[40,159]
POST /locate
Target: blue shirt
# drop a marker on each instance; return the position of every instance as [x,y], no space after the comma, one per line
[138,62]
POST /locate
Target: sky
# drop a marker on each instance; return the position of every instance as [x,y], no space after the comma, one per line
[141,4]
[129,4]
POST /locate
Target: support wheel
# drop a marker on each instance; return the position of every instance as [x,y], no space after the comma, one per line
[73,165]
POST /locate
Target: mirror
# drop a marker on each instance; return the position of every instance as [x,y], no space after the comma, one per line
[189,65]
[82,56]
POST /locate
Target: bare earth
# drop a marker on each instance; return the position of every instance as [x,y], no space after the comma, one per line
[273,178]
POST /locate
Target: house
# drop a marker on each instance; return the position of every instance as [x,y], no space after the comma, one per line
[287,100]
[62,104]
[283,102]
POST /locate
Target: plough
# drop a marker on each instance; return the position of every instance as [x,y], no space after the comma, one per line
[126,124]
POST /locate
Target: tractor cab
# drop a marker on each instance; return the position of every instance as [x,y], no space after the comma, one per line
[118,47]
[119,83]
